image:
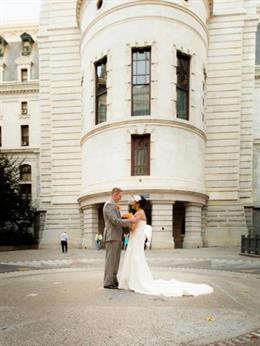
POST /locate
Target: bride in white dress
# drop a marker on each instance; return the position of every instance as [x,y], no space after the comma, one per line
[136,275]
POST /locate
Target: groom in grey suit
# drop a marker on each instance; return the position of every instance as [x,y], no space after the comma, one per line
[113,237]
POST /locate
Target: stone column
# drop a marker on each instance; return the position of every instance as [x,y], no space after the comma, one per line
[193,226]
[1,71]
[90,226]
[162,237]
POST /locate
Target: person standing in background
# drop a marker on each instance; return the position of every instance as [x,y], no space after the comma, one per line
[64,241]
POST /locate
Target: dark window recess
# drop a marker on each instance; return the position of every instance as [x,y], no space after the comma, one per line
[24,135]
[257,46]
[26,191]
[25,173]
[141,80]
[24,107]
[24,74]
[101,90]
[183,85]
[99,4]
[140,155]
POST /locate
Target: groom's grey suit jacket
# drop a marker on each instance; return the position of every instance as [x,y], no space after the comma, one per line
[113,222]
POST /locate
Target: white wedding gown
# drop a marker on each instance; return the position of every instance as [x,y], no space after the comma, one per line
[136,275]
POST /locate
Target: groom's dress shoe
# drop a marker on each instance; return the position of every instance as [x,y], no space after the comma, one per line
[113,287]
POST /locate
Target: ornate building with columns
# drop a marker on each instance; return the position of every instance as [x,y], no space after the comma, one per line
[159,98]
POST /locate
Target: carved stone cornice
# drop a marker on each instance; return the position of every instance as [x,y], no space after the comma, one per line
[154,122]
[22,151]
[143,2]
[7,88]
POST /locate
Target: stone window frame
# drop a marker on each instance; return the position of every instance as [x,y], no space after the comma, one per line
[27,41]
[21,113]
[3,44]
[2,66]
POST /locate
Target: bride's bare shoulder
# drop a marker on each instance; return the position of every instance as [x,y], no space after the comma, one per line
[141,214]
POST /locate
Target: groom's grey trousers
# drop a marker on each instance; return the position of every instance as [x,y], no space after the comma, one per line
[113,239]
[113,251]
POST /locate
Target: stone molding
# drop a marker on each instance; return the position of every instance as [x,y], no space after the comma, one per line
[172,196]
[149,122]
[19,87]
[21,150]
[130,4]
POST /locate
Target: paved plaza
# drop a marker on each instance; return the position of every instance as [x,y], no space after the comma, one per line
[50,298]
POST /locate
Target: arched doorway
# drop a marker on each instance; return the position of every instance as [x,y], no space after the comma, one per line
[178,227]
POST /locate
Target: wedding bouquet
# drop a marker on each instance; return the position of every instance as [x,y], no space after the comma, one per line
[127,216]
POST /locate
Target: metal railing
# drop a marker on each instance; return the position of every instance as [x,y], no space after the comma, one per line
[250,244]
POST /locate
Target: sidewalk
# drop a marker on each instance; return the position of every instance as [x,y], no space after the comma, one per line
[67,305]
[231,253]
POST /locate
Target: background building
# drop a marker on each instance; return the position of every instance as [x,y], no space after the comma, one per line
[159,98]
[19,102]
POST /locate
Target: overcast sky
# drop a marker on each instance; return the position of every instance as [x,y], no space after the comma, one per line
[19,10]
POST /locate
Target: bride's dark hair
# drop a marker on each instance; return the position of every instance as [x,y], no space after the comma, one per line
[142,204]
[143,201]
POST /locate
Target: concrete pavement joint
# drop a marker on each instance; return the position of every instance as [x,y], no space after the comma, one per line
[38,271]
[91,260]
[240,340]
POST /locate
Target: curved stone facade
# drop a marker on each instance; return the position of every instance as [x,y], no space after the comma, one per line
[177,149]
[153,96]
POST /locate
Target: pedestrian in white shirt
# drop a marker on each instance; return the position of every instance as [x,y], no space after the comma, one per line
[64,241]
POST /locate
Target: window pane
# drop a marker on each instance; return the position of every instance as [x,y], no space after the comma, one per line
[101,71]
[26,191]
[183,74]
[140,80]
[101,108]
[182,104]
[141,100]
[257,52]
[24,107]
[135,68]
[25,173]
[141,161]
[25,135]
[101,90]
[140,155]
[141,67]
[140,55]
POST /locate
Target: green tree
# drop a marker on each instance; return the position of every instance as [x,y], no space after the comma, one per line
[16,212]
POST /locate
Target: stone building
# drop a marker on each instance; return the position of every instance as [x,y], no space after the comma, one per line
[19,102]
[157,97]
